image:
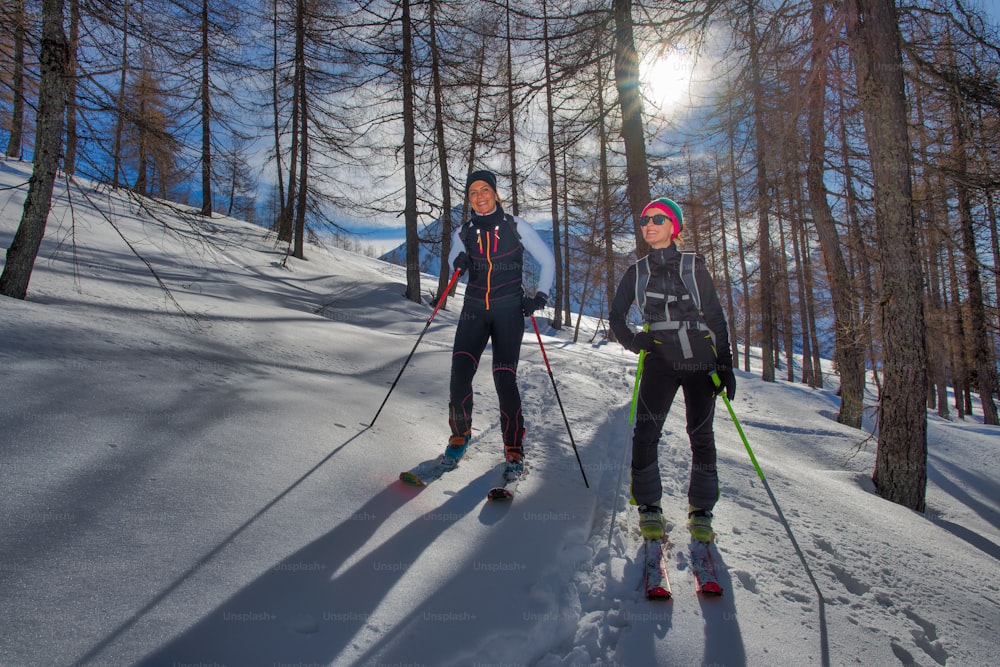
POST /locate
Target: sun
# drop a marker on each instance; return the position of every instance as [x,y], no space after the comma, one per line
[666,77]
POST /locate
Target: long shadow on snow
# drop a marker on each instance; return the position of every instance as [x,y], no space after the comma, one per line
[124,627]
[723,638]
[658,632]
[986,487]
[503,602]
[308,608]
[378,371]
[936,474]
[786,428]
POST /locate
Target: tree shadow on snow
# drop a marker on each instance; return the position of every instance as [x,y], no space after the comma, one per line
[944,474]
[310,606]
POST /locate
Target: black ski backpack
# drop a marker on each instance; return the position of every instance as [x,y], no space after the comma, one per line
[687,269]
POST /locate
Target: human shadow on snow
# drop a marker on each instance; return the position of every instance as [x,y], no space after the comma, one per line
[125,626]
[311,605]
[723,637]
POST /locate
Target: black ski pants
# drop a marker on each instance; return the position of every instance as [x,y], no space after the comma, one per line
[504,328]
[657,389]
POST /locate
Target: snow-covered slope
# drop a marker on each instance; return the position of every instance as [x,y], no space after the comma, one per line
[192,479]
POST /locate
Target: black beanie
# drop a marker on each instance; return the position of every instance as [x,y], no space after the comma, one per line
[481,175]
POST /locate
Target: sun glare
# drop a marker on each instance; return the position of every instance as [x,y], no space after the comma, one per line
[666,78]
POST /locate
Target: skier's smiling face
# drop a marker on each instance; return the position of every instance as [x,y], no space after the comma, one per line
[482,197]
[658,236]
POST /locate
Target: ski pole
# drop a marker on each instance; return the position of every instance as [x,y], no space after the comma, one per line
[631,423]
[635,389]
[559,400]
[824,642]
[444,295]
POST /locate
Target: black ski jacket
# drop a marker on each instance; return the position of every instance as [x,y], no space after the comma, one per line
[665,280]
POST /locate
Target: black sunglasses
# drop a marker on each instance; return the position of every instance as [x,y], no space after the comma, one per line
[655,219]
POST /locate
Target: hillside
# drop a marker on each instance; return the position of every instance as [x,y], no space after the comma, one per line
[192,478]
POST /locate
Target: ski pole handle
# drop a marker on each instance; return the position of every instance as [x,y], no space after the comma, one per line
[444,295]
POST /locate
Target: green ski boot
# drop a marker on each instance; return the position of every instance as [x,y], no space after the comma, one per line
[700,524]
[651,523]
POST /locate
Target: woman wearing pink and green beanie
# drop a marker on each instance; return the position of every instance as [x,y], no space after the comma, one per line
[684,345]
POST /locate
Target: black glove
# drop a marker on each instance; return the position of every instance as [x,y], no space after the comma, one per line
[642,341]
[529,304]
[724,378]
[462,263]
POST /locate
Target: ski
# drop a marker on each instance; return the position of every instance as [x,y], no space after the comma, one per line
[655,579]
[512,476]
[426,472]
[703,567]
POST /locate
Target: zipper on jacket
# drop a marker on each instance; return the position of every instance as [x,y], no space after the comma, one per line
[489,272]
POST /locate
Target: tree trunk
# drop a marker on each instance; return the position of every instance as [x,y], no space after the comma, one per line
[286,221]
[960,370]
[766,282]
[286,218]
[303,190]
[206,119]
[442,151]
[740,246]
[981,358]
[17,83]
[116,157]
[995,248]
[901,459]
[849,351]
[785,296]
[630,100]
[53,61]
[727,278]
[556,321]
[863,315]
[511,118]
[938,323]
[141,185]
[69,159]
[474,138]
[604,188]
[567,259]
[937,320]
[410,163]
[991,212]
[810,284]
[275,105]
[800,254]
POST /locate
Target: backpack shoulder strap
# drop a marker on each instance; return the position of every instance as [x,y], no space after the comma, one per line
[513,225]
[688,260]
[464,232]
[641,281]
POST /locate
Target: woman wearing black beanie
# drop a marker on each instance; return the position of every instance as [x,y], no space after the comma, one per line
[490,247]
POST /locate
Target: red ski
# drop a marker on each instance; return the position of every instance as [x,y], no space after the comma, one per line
[703,567]
[655,569]
[513,473]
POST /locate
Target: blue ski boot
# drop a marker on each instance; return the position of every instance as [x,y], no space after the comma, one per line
[457,444]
